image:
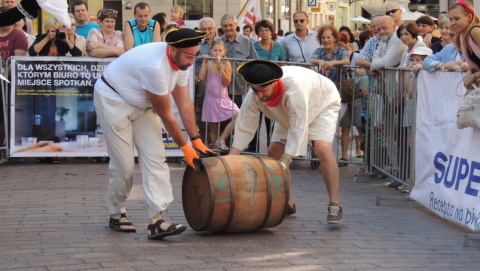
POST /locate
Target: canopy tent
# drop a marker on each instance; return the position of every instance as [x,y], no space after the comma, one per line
[423,14]
[410,16]
[360,19]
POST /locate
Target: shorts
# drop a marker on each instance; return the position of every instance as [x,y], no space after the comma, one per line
[346,120]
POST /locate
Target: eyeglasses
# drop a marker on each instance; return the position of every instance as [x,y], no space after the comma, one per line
[392,11]
[300,20]
[188,54]
[207,29]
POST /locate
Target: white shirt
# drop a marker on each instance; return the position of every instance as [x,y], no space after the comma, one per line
[141,68]
[305,98]
[297,50]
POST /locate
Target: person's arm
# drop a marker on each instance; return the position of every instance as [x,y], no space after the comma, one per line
[157,35]
[226,72]
[285,50]
[204,68]
[103,50]
[20,52]
[128,39]
[363,62]
[40,42]
[431,63]
[392,56]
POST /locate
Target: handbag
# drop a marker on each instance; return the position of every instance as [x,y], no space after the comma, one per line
[469,111]
[349,89]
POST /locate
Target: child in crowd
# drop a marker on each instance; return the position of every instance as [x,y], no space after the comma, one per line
[217,106]
[176,15]
[417,56]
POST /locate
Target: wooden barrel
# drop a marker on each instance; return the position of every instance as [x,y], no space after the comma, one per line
[235,193]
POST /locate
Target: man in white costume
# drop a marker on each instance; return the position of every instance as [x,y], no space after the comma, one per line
[132,99]
[304,106]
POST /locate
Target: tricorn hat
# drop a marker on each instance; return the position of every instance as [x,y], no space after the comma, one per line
[184,37]
[260,72]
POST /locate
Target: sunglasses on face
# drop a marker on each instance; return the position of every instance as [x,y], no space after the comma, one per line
[391,11]
[300,20]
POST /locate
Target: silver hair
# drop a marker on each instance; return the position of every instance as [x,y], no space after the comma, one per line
[229,16]
[206,19]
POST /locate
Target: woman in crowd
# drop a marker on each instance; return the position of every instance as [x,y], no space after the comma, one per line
[328,58]
[105,41]
[352,47]
[426,25]
[408,34]
[444,26]
[466,25]
[78,40]
[364,37]
[54,42]
[162,20]
[267,49]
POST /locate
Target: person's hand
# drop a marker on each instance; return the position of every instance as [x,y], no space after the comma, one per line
[285,160]
[468,80]
[204,150]
[464,66]
[402,68]
[418,67]
[92,45]
[205,58]
[428,39]
[192,157]
[52,34]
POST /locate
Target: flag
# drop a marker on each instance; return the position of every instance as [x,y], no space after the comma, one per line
[250,13]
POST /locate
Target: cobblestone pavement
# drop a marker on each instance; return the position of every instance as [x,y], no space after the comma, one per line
[54,217]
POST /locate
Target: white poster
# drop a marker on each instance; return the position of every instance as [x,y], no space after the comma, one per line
[52,108]
[447,179]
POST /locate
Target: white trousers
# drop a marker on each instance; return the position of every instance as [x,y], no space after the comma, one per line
[125,126]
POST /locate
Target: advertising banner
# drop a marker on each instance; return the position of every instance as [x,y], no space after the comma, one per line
[447,177]
[52,111]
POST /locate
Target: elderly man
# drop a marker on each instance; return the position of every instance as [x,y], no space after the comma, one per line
[365,56]
[207,25]
[395,11]
[134,91]
[390,50]
[304,105]
[141,29]
[238,46]
[300,45]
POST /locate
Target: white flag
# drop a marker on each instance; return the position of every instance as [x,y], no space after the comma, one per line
[250,14]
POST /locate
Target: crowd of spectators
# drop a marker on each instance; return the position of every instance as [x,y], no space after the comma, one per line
[387,42]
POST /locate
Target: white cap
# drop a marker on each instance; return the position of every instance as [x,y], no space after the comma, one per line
[421,51]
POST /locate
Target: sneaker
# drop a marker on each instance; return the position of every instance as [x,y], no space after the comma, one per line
[291,211]
[221,145]
[334,214]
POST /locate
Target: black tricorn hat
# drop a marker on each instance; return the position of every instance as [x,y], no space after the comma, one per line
[260,72]
[184,37]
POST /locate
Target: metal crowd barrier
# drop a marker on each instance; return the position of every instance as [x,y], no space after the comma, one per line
[4,119]
[393,101]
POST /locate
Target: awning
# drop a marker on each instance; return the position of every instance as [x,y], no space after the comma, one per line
[372,10]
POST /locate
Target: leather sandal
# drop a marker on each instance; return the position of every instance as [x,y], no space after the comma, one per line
[119,226]
[156,232]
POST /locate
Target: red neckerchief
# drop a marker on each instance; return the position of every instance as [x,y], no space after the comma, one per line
[278,91]
[174,67]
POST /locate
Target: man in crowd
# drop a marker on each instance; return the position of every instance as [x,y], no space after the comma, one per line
[390,49]
[395,11]
[82,23]
[141,29]
[300,45]
[247,30]
[28,23]
[206,25]
[304,105]
[238,46]
[132,100]
[365,56]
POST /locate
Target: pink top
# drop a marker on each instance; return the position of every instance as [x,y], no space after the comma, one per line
[115,40]
[475,50]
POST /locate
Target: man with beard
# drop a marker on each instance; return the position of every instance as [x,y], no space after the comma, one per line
[390,50]
[304,105]
[364,58]
[134,91]
[300,45]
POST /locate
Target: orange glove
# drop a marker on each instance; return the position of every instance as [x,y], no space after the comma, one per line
[199,146]
[192,157]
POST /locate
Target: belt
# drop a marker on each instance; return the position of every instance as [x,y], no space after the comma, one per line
[110,86]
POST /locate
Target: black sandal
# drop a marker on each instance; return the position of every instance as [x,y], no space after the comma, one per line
[156,232]
[118,226]
[342,162]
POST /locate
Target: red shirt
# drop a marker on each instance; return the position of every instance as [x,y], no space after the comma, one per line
[16,40]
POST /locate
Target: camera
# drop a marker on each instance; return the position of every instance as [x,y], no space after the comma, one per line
[61,35]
